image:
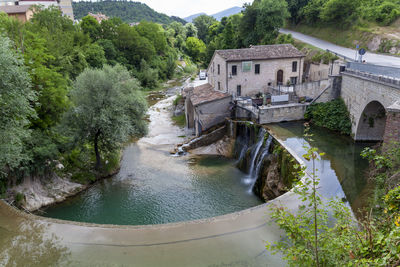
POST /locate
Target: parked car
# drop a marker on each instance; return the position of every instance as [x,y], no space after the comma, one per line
[202,75]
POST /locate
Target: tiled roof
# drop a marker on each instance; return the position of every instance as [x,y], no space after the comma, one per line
[205,93]
[15,9]
[260,52]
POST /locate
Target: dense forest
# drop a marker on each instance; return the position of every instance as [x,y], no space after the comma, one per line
[126,10]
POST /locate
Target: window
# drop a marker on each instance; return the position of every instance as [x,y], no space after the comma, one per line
[219,69]
[213,68]
[293,80]
[234,70]
[219,86]
[246,66]
[294,66]
[239,90]
[257,69]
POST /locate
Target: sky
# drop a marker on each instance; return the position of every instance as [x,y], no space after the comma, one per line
[185,8]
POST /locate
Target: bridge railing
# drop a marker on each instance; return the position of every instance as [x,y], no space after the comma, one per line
[375,69]
[379,78]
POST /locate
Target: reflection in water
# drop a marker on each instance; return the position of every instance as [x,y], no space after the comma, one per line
[26,243]
[155,188]
[341,162]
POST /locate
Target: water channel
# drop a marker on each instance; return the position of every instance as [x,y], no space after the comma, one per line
[155,188]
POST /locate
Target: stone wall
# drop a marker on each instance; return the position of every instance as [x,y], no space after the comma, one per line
[253,84]
[210,114]
[214,77]
[290,112]
[361,89]
[311,89]
[392,130]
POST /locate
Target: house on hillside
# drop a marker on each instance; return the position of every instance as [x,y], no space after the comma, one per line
[21,8]
[205,107]
[22,13]
[249,71]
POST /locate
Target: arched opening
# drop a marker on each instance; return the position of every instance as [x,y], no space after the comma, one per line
[279,77]
[371,126]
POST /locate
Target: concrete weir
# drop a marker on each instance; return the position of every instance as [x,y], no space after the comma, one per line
[236,239]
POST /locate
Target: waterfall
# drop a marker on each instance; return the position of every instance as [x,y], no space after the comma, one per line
[256,150]
[254,154]
[260,161]
[242,154]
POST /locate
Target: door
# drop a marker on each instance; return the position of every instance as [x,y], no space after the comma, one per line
[279,77]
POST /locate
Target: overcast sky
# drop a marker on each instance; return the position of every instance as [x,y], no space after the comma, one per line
[185,8]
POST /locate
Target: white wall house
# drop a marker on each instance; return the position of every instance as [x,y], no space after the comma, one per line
[248,71]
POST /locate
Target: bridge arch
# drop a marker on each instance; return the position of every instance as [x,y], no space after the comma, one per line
[371,125]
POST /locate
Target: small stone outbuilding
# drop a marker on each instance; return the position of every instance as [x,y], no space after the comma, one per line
[205,107]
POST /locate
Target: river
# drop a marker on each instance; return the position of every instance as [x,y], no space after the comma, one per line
[175,189]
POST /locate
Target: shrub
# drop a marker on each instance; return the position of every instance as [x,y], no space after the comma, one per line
[332,115]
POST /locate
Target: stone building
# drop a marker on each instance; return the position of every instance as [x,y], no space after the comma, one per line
[246,72]
[21,8]
[205,107]
[22,13]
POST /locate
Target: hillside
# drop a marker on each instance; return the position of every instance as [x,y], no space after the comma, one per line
[127,11]
[192,17]
[218,16]
[228,12]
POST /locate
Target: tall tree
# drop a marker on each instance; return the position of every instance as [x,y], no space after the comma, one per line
[109,108]
[262,20]
[16,97]
[202,24]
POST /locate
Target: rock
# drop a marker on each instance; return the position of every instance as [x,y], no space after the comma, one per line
[59,166]
[46,191]
[374,44]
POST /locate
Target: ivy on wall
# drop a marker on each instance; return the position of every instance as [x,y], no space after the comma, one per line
[332,115]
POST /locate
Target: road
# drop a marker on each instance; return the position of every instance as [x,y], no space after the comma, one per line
[371,58]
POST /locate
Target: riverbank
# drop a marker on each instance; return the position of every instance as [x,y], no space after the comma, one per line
[59,184]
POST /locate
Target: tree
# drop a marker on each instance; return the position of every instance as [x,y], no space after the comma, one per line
[262,20]
[108,109]
[95,56]
[16,97]
[294,7]
[191,30]
[202,24]
[341,11]
[195,48]
[90,26]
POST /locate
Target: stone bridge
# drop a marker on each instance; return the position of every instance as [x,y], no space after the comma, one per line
[374,105]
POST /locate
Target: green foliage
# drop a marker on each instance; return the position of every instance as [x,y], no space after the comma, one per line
[111,101]
[19,197]
[127,11]
[342,11]
[324,57]
[262,20]
[177,100]
[195,48]
[180,120]
[16,98]
[332,115]
[324,232]
[202,24]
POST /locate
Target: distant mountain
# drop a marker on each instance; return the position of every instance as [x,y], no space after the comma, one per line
[218,16]
[126,10]
[192,17]
[228,12]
